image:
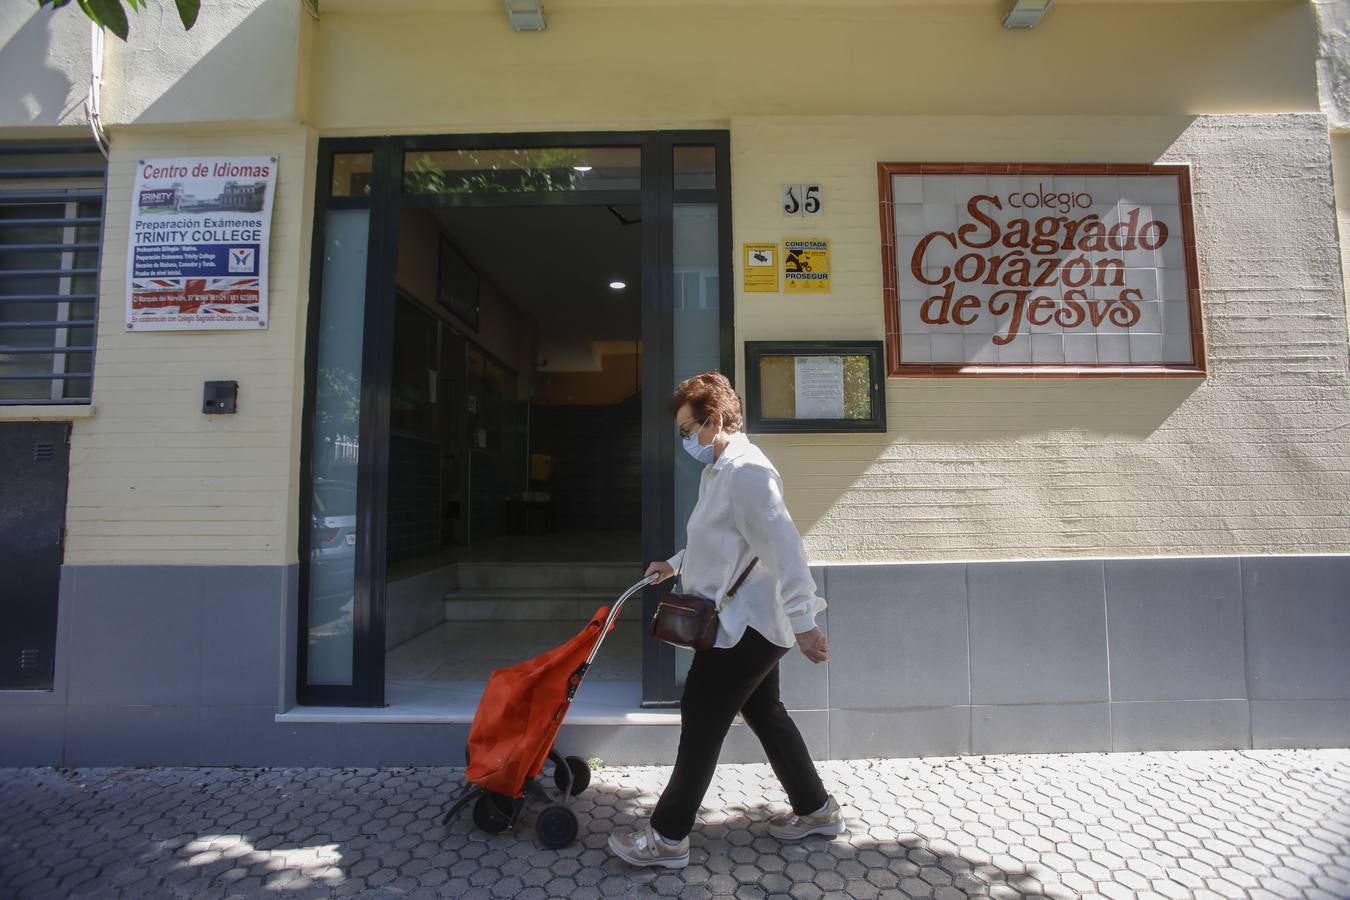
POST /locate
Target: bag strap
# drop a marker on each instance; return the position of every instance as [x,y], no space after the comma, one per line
[737,585]
[734,588]
[740,581]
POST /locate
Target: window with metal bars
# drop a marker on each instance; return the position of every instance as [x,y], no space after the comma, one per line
[51,227]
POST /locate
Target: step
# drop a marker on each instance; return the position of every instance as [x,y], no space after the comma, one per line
[608,577]
[606,721]
[537,605]
[616,731]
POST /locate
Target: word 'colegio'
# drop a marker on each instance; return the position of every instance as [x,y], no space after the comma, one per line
[1048,252]
[1043,199]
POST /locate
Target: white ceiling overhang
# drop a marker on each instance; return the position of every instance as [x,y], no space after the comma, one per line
[996,7]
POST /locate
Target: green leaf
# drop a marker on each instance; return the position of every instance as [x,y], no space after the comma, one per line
[187,11]
[109,14]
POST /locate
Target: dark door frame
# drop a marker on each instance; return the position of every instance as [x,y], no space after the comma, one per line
[385,200]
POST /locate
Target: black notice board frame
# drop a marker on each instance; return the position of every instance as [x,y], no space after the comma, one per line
[875,351]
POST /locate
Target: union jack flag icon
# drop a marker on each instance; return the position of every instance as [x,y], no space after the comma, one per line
[195,296]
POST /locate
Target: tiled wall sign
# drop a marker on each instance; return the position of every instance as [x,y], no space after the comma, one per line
[802,200]
[1022,269]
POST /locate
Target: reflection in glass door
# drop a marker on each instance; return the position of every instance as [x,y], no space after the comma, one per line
[697,343]
[334,448]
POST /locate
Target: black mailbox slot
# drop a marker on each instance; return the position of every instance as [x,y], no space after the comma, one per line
[220,397]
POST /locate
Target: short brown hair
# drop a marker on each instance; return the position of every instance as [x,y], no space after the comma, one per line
[708,393]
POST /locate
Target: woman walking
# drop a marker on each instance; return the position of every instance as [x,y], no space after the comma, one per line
[740,524]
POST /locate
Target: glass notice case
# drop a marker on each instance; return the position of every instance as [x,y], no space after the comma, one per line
[814,386]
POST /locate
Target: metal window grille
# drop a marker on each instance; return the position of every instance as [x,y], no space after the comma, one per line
[51,230]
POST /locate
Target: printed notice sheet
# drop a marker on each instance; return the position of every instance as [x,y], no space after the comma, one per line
[820,387]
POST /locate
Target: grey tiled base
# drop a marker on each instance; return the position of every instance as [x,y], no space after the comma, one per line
[1076,655]
[161,665]
[1181,725]
[1040,728]
[1300,723]
[866,733]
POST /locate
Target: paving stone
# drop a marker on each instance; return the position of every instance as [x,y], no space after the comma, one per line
[1192,825]
[722,884]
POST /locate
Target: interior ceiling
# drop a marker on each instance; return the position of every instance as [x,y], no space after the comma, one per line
[555,263]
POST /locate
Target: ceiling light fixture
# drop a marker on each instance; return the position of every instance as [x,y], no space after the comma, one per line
[1026,13]
[525,15]
[617,285]
[582,168]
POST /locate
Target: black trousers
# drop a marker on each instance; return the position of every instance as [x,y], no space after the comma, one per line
[721,683]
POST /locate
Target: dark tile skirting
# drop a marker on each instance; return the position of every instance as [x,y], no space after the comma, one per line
[187,665]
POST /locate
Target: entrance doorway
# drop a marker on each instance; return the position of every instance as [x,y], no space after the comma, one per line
[487,465]
[515,471]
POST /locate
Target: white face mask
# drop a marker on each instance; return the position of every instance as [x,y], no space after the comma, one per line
[701,452]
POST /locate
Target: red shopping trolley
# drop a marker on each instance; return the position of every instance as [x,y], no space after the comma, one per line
[514,729]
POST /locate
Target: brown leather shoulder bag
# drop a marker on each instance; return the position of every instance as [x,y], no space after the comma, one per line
[690,620]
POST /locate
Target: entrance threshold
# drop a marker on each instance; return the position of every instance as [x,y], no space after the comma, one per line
[454,703]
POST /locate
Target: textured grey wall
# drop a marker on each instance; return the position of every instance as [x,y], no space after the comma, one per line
[44,66]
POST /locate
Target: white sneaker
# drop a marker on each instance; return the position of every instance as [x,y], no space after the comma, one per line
[828,820]
[645,848]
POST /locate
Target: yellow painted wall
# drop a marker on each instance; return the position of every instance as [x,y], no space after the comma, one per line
[644,65]
[152,479]
[1254,459]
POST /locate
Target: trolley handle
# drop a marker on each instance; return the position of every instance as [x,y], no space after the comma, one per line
[614,614]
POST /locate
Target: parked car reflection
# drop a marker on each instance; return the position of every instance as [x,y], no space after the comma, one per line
[332,559]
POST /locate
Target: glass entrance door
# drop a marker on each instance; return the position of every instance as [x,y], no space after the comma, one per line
[359,395]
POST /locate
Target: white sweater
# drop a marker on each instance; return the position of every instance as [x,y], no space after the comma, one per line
[740,514]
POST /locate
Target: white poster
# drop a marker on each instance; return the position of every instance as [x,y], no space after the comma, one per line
[197,254]
[820,387]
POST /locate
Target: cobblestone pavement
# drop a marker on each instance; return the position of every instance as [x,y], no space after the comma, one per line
[1187,824]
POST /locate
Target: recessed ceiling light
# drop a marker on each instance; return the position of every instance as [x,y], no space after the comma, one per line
[582,168]
[617,285]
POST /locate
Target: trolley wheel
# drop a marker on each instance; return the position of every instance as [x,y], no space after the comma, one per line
[556,826]
[581,775]
[492,812]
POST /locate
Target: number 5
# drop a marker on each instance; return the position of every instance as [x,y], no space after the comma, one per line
[812,199]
